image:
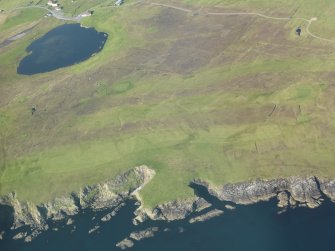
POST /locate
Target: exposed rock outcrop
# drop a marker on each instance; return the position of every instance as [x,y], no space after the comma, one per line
[100,196]
[109,216]
[283,199]
[92,230]
[24,213]
[20,236]
[230,207]
[292,201]
[137,236]
[2,234]
[328,188]
[177,210]
[60,208]
[305,191]
[207,216]
[125,243]
[144,234]
[69,221]
[289,191]
[294,191]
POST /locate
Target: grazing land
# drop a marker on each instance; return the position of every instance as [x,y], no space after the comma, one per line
[225,98]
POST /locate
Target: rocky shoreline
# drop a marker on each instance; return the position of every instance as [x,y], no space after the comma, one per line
[111,194]
[294,191]
[290,192]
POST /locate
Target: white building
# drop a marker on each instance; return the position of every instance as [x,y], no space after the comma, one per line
[52,3]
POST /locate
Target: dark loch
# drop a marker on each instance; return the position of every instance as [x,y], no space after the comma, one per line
[63,46]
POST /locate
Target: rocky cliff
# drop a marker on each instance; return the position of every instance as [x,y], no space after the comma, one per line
[174,210]
[304,191]
[294,191]
[97,197]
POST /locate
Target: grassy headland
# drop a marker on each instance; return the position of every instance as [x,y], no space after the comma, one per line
[226,99]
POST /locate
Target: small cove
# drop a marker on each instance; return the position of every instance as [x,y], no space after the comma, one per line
[63,46]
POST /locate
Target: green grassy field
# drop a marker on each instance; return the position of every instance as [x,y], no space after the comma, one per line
[225,99]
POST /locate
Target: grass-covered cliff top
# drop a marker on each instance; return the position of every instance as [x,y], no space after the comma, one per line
[222,98]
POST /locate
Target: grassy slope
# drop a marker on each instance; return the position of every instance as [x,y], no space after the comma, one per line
[98,118]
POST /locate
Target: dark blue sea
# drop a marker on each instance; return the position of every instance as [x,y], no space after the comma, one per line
[257,227]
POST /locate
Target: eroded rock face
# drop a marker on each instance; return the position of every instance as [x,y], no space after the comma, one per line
[248,192]
[302,190]
[24,213]
[144,234]
[20,236]
[132,180]
[200,204]
[305,191]
[292,201]
[137,236]
[207,216]
[230,207]
[109,216]
[112,193]
[283,199]
[125,243]
[177,210]
[294,191]
[100,196]
[94,229]
[60,208]
[328,188]
[141,215]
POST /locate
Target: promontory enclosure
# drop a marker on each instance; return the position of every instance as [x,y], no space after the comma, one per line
[167,125]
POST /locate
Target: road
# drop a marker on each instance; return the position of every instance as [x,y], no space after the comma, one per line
[56,14]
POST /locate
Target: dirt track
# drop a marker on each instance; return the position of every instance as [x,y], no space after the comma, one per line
[60,15]
[309,21]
